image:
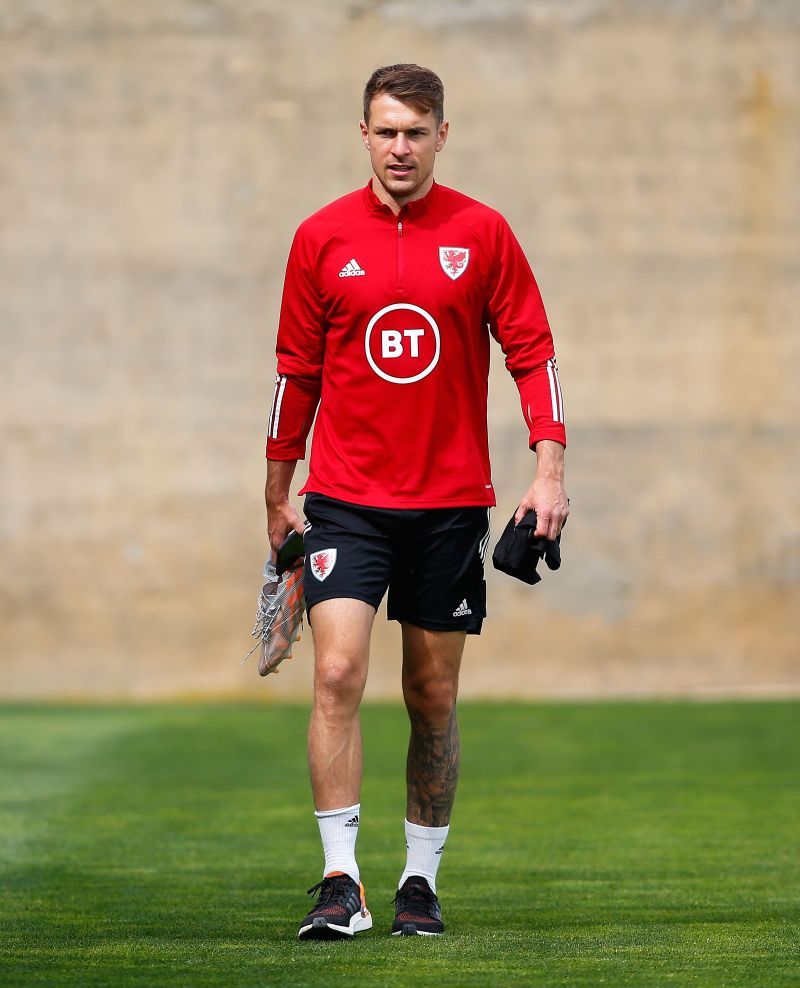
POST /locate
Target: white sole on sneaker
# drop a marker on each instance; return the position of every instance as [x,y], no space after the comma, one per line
[414,933]
[322,929]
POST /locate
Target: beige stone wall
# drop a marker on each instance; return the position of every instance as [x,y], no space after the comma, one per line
[154,161]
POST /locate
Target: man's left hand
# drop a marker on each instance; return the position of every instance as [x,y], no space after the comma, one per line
[546,495]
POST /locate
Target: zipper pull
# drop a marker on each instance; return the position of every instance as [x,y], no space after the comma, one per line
[400,228]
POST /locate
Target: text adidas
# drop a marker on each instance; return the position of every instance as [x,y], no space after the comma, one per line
[352,269]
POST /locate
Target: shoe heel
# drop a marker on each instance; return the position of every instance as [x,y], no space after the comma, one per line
[362,922]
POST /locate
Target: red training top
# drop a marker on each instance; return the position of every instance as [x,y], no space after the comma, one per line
[385,324]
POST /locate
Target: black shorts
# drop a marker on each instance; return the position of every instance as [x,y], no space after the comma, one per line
[431,560]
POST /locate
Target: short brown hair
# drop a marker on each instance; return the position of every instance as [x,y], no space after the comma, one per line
[412,84]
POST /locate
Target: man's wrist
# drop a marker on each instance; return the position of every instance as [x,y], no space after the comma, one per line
[549,459]
[279,481]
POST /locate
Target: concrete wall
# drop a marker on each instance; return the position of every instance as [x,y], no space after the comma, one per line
[154,161]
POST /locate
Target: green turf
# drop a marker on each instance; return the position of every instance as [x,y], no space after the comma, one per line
[619,844]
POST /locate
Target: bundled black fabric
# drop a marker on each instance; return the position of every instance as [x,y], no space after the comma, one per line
[518,553]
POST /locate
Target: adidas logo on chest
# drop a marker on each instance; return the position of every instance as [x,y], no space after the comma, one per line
[352,270]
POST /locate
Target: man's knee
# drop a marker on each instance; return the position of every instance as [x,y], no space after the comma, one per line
[341,628]
[339,679]
[430,699]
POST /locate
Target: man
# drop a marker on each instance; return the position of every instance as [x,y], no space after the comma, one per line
[390,297]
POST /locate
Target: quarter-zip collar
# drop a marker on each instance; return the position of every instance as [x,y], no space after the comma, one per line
[414,208]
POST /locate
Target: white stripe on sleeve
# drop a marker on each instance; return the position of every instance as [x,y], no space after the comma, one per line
[553,399]
[278,401]
[560,395]
[272,408]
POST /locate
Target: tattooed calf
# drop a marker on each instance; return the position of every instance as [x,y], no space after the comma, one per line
[432,770]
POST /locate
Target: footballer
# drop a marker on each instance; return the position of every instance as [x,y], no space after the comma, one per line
[392,297]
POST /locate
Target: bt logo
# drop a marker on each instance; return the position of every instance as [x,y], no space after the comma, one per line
[392,342]
[398,349]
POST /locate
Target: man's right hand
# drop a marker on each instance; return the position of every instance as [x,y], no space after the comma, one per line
[281,520]
[281,516]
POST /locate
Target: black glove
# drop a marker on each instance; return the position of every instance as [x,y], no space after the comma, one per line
[518,553]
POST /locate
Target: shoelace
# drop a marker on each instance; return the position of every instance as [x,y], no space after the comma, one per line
[419,895]
[333,888]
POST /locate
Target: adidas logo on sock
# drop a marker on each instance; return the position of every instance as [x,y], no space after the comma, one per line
[462,610]
[353,821]
[352,269]
[440,850]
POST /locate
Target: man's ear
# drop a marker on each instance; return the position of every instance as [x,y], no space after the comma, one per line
[441,136]
[364,133]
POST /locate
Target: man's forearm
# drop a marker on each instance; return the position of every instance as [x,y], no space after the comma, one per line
[279,479]
[550,459]
[281,516]
[546,495]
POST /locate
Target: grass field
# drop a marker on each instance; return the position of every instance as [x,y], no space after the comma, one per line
[618,844]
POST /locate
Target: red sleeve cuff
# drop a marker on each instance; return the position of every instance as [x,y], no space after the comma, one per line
[294,405]
[543,404]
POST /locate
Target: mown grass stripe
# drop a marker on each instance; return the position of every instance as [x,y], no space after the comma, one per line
[627,844]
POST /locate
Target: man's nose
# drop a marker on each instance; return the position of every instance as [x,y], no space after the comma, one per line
[400,146]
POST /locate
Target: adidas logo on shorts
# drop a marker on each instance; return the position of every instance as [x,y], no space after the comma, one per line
[462,610]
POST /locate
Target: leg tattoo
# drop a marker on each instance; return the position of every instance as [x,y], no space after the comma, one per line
[432,770]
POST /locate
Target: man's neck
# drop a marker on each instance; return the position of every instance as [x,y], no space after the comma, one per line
[397,203]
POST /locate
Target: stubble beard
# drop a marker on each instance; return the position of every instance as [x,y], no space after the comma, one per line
[399,189]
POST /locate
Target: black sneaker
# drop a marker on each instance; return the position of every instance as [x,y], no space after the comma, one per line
[416,910]
[340,911]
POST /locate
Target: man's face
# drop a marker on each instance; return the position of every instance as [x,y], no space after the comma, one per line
[402,145]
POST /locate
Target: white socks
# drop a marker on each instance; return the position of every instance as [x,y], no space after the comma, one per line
[338,830]
[424,846]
